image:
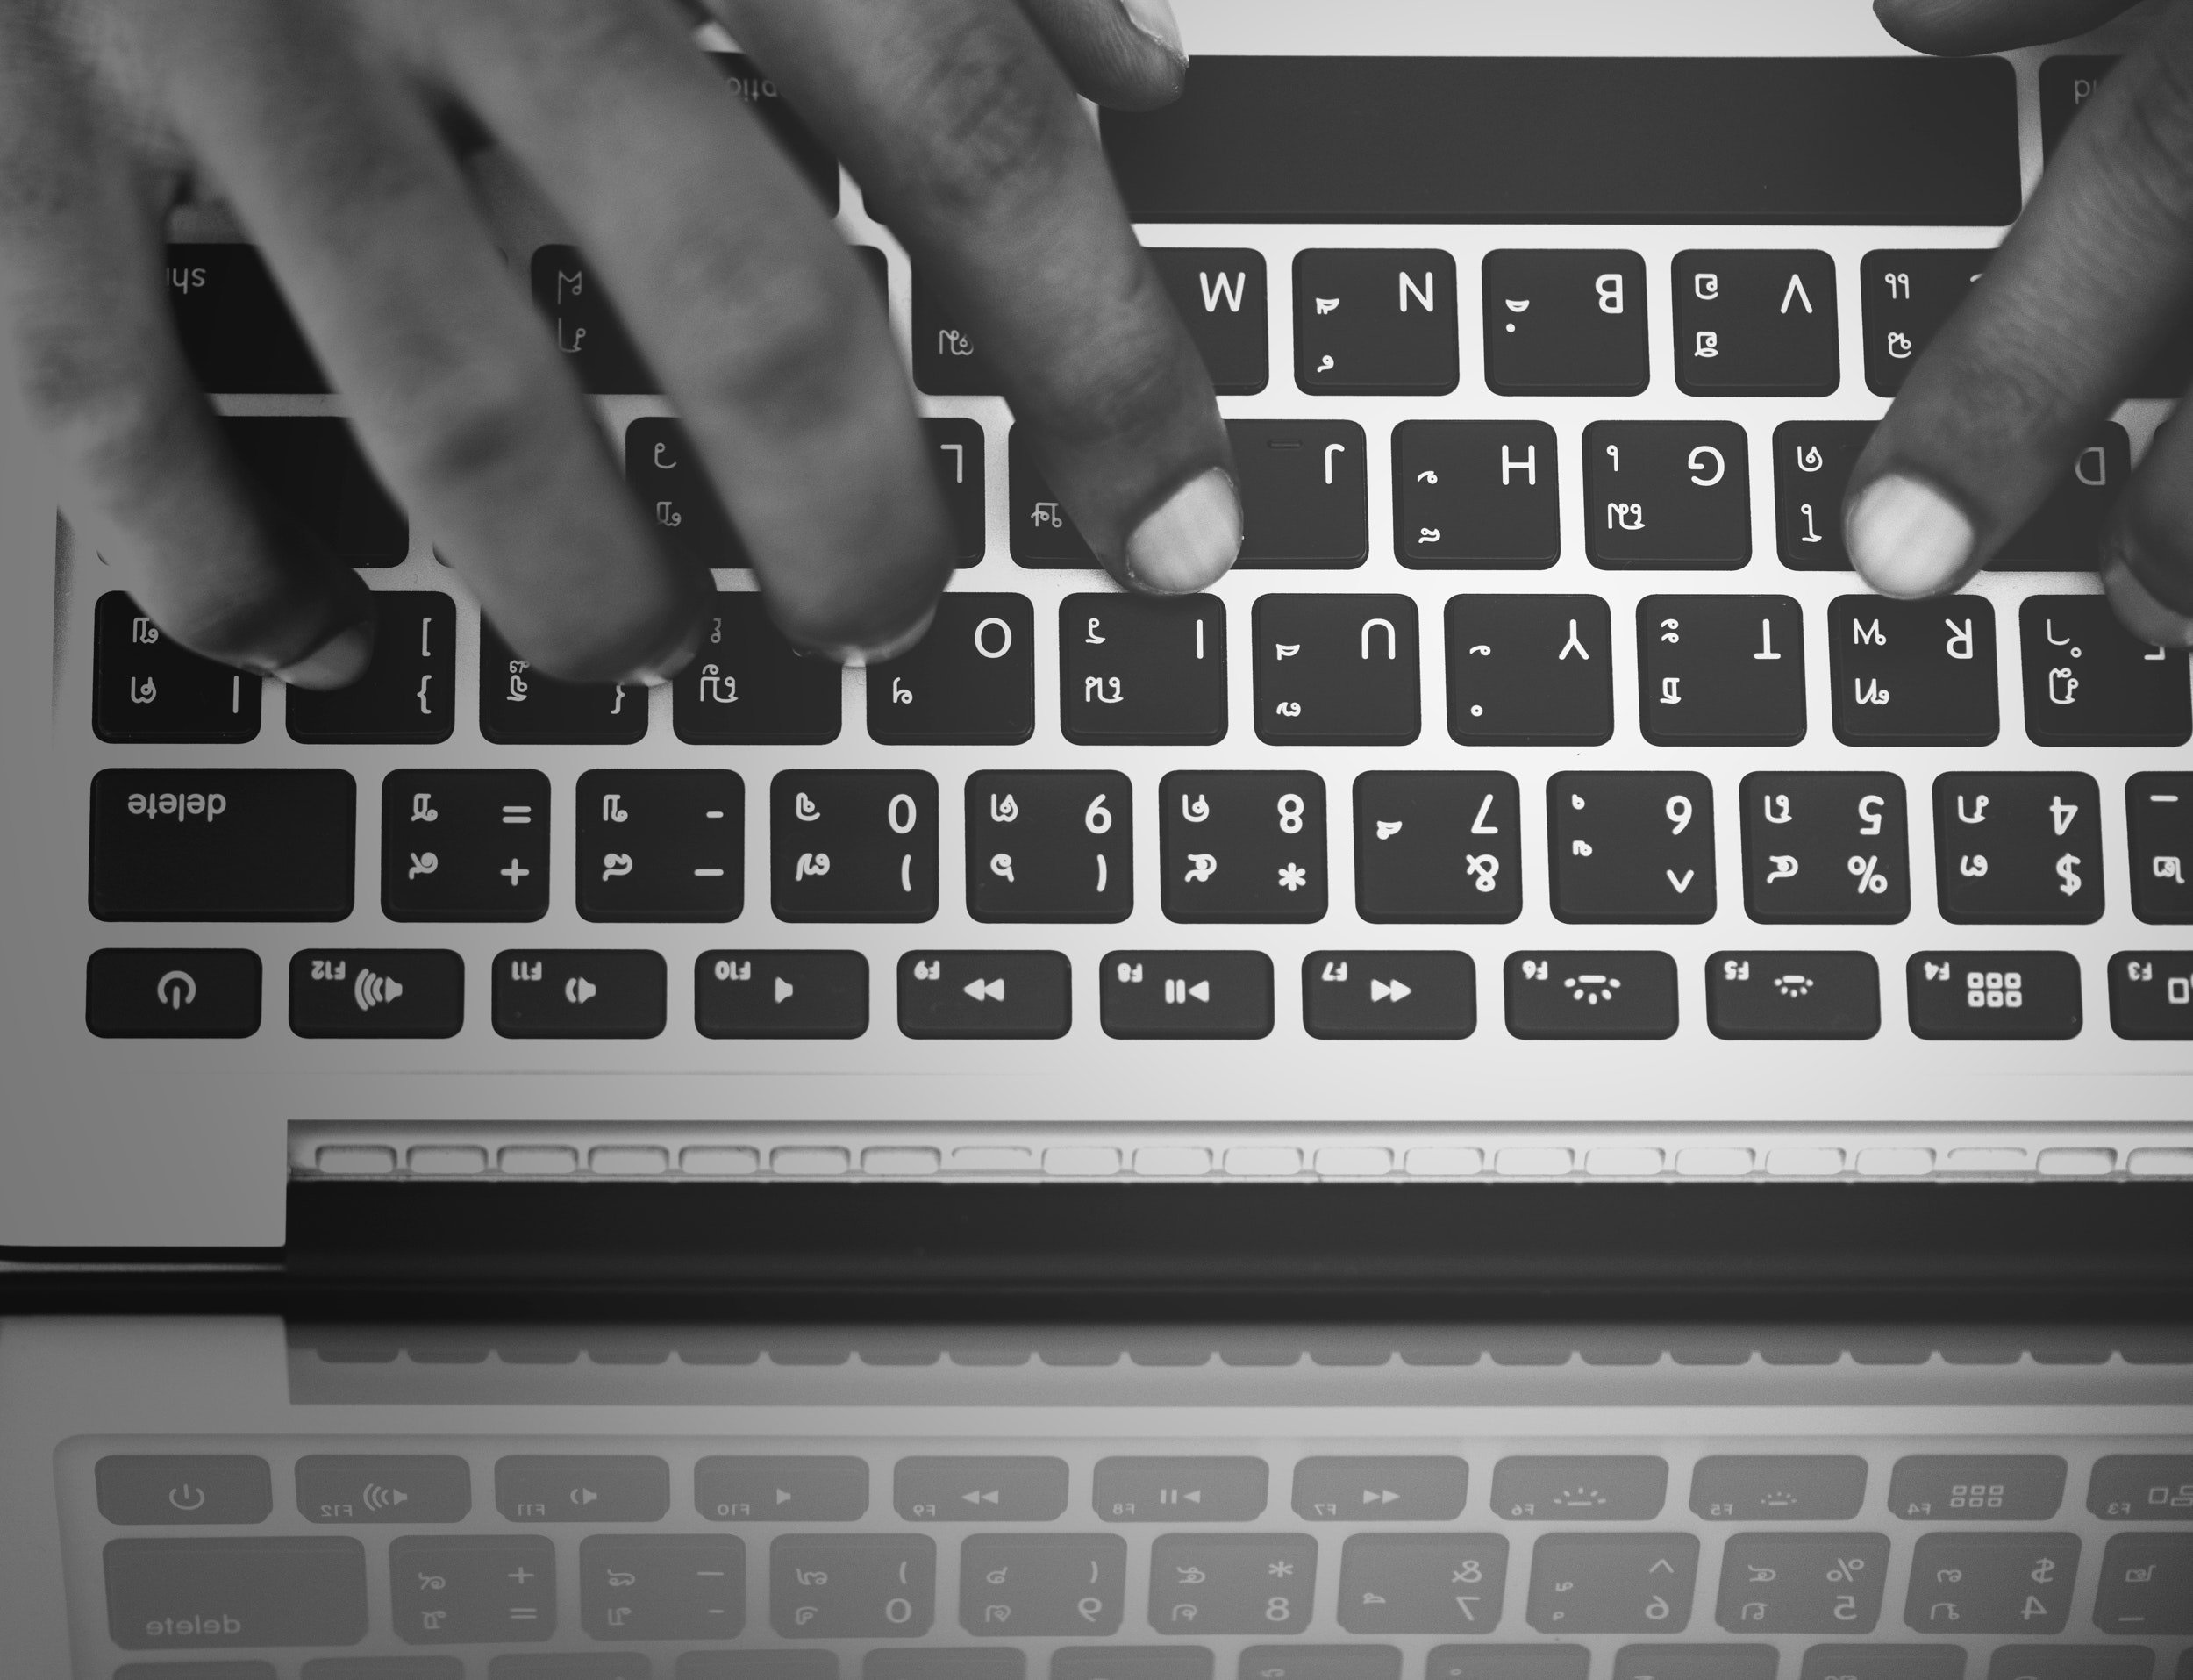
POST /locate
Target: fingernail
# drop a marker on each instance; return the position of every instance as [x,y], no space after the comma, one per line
[2141,610]
[657,671]
[335,663]
[857,655]
[1155,19]
[1190,541]
[1906,537]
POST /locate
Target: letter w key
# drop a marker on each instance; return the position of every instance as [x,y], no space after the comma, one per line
[1220,295]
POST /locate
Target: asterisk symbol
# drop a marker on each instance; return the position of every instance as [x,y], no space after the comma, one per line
[1293,876]
[1281,1569]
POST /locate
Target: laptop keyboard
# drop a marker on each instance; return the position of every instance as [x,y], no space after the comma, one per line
[1316,1559]
[1568,662]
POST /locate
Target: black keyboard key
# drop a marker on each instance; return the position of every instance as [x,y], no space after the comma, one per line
[519,706]
[1242,845]
[234,323]
[947,363]
[2142,1487]
[172,993]
[765,100]
[1438,846]
[1812,465]
[1869,141]
[467,1589]
[665,474]
[464,846]
[1630,846]
[2065,532]
[560,1487]
[2065,84]
[1184,995]
[1539,1662]
[660,846]
[2151,997]
[1790,1583]
[853,845]
[408,695]
[1476,494]
[1235,1583]
[1585,1488]
[1529,670]
[1778,1488]
[310,468]
[995,1488]
[1389,995]
[173,1489]
[376,994]
[1673,494]
[1792,995]
[2159,817]
[780,994]
[971,679]
[956,453]
[223,845]
[985,995]
[1756,323]
[852,1586]
[1590,995]
[1324,1662]
[1615,1584]
[145,686]
[1180,1489]
[1720,670]
[658,1586]
[1303,495]
[243,1593]
[1565,323]
[1043,534]
[2018,847]
[748,686]
[1883,1662]
[1825,847]
[1050,845]
[1375,323]
[2146,1589]
[1031,1585]
[1220,296]
[583,318]
[1912,673]
[1336,670]
[1907,296]
[1135,670]
[751,1488]
[1994,994]
[1992,1584]
[581,995]
[2088,682]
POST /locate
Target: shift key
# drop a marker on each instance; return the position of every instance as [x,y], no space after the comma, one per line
[547,1487]
[188,1595]
[223,845]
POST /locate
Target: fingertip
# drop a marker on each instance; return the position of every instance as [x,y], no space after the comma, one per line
[859,655]
[2139,606]
[336,662]
[1906,536]
[666,665]
[1190,541]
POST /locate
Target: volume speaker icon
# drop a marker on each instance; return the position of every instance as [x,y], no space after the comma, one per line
[370,988]
[377,1497]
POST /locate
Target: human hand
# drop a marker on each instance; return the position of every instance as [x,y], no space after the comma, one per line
[2095,277]
[340,133]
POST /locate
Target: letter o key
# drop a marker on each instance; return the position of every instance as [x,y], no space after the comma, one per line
[1005,643]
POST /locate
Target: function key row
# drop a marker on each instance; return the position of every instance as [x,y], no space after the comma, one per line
[197,1489]
[1058,845]
[1714,671]
[595,993]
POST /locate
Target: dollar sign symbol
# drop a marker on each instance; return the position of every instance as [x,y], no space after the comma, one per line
[2045,1571]
[2070,875]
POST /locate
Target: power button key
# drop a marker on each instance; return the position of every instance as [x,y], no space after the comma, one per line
[178,1488]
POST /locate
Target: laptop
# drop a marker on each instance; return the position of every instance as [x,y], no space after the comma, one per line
[1540,818]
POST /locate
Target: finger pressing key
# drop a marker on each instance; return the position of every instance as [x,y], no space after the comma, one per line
[744,299]
[966,138]
[2091,281]
[144,469]
[454,389]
